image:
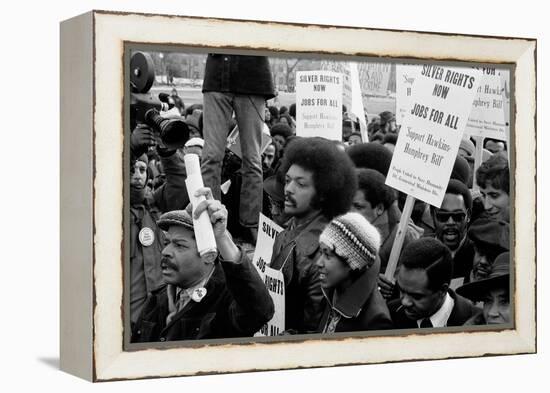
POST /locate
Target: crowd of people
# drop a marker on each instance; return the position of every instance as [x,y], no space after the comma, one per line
[339,222]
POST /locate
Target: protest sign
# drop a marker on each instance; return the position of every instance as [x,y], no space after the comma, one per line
[275,284]
[352,95]
[357,108]
[319,104]
[267,232]
[405,74]
[375,77]
[487,118]
[273,279]
[431,131]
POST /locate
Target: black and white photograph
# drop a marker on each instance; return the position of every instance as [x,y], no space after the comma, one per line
[248,196]
[282,196]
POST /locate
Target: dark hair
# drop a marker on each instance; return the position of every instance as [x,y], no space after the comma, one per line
[377,136]
[287,117]
[461,170]
[458,188]
[390,138]
[276,157]
[373,127]
[496,172]
[274,111]
[386,117]
[372,156]
[372,183]
[292,110]
[283,110]
[333,172]
[431,255]
[281,129]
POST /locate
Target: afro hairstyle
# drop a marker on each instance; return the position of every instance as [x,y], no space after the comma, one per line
[333,172]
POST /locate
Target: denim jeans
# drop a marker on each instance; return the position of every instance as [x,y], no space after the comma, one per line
[249,113]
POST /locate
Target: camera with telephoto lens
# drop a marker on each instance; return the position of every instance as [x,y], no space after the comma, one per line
[147,109]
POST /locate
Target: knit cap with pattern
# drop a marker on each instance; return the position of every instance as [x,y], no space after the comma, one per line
[353,239]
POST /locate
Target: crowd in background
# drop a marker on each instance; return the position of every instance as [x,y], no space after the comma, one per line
[340,222]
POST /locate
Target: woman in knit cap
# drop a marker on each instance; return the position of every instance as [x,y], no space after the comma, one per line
[348,271]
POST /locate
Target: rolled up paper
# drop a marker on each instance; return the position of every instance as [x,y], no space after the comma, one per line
[204,234]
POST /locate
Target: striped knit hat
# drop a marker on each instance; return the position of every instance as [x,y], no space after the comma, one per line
[353,239]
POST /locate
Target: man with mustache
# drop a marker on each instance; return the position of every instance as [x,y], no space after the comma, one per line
[203,298]
[319,184]
[425,299]
[451,227]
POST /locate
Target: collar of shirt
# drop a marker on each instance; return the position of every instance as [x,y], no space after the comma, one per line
[179,297]
[453,253]
[440,318]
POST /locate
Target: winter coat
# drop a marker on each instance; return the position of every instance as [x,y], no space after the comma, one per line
[239,75]
[463,310]
[145,271]
[236,304]
[295,251]
[361,306]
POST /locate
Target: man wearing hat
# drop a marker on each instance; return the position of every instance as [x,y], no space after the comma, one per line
[491,238]
[348,270]
[493,291]
[425,299]
[203,298]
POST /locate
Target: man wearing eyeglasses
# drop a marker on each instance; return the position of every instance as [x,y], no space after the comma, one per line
[451,228]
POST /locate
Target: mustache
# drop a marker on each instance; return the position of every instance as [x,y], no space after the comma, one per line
[168,263]
[290,199]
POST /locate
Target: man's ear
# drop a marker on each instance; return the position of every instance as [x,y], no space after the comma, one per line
[379,209]
[444,289]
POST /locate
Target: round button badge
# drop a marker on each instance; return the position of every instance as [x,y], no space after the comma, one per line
[146,236]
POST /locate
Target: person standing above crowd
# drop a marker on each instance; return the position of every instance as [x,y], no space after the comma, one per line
[348,270]
[319,184]
[203,299]
[425,299]
[241,85]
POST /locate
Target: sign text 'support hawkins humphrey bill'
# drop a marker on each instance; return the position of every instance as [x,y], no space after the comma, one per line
[431,131]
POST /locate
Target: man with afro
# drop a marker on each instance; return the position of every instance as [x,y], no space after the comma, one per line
[319,184]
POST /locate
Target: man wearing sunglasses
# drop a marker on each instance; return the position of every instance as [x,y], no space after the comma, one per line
[451,228]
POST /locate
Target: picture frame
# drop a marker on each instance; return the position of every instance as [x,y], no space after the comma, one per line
[92,152]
